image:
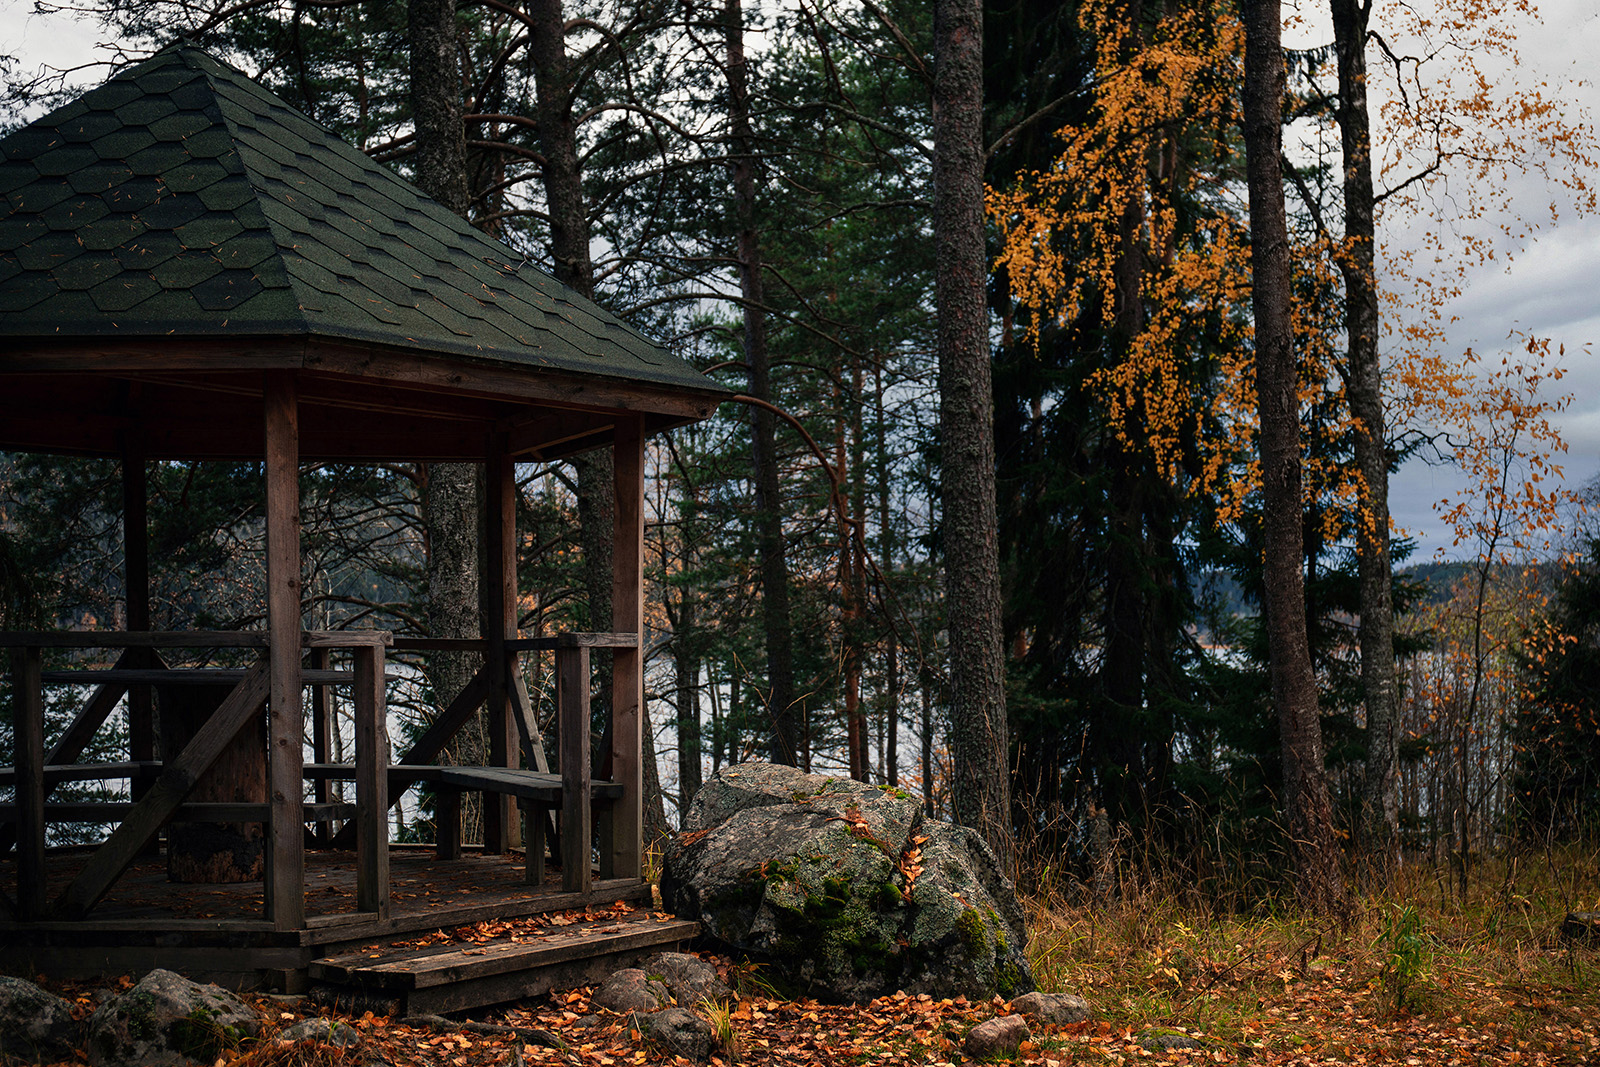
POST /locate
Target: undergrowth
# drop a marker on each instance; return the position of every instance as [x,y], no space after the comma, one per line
[1154,953]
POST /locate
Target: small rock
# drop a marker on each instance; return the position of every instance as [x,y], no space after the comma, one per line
[35,1026]
[631,989]
[168,1021]
[1167,1042]
[996,1037]
[1052,1009]
[681,1032]
[327,1031]
[690,978]
[587,1022]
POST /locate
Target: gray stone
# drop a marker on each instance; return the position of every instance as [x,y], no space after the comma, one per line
[996,1037]
[168,1021]
[1167,1042]
[808,875]
[326,1031]
[680,1032]
[631,989]
[35,1026]
[691,979]
[1052,1009]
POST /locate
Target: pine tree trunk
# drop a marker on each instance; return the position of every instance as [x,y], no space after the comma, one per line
[1294,692]
[1119,763]
[450,492]
[978,740]
[687,666]
[569,252]
[785,744]
[1364,385]
[886,554]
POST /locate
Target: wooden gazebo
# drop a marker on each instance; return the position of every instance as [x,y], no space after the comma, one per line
[192,269]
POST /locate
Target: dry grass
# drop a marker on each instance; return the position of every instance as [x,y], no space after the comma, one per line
[1152,957]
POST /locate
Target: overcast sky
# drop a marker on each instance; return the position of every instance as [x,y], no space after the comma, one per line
[1549,288]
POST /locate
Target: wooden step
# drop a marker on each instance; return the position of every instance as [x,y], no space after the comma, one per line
[467,974]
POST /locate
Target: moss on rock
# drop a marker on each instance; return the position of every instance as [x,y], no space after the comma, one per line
[806,875]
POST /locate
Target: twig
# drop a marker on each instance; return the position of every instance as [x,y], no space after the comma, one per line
[527,1035]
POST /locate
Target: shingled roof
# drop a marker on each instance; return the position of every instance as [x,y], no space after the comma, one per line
[182,199]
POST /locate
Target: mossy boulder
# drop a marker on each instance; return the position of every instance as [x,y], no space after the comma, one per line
[35,1026]
[843,890]
[168,1021]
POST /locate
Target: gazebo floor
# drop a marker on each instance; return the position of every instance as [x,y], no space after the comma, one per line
[217,932]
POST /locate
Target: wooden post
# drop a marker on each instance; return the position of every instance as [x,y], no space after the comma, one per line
[627,674]
[285,888]
[28,732]
[572,708]
[321,732]
[447,822]
[136,594]
[372,783]
[500,624]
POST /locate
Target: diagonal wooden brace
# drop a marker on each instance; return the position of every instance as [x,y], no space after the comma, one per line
[177,781]
[426,748]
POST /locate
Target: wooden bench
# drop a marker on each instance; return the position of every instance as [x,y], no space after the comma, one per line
[535,791]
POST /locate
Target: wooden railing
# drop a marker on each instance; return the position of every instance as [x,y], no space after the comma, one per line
[165,786]
[160,789]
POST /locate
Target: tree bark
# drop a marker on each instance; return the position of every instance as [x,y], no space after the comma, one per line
[569,254]
[978,739]
[784,742]
[1310,816]
[1364,386]
[450,491]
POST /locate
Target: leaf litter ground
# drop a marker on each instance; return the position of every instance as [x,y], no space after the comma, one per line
[1266,1006]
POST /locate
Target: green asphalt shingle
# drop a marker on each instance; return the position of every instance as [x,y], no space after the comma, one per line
[180,198]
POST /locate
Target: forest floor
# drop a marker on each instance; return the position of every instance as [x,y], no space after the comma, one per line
[1414,978]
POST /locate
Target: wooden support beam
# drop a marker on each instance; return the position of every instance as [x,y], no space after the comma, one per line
[627,671]
[372,783]
[285,876]
[185,676]
[447,822]
[538,840]
[28,732]
[321,732]
[123,639]
[136,595]
[573,640]
[177,781]
[572,705]
[499,623]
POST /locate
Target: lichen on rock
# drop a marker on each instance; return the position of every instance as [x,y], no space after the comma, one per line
[844,890]
[168,1021]
[35,1026]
